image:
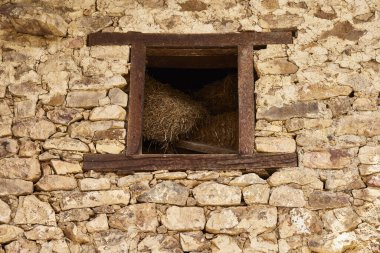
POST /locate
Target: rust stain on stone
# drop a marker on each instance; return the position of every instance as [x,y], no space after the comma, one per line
[193,5]
[344,30]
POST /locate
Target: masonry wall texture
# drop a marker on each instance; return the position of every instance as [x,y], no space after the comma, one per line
[60,99]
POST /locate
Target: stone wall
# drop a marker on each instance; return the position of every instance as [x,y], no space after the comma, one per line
[60,99]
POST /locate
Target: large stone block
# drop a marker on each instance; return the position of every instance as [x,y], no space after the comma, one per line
[20,168]
[62,167]
[369,155]
[184,218]
[94,199]
[56,183]
[31,210]
[108,112]
[333,243]
[44,233]
[318,91]
[66,144]
[331,159]
[36,129]
[287,196]
[15,187]
[167,192]
[275,144]
[64,116]
[88,129]
[9,233]
[365,124]
[84,99]
[327,200]
[214,194]
[305,177]
[256,194]
[280,21]
[341,220]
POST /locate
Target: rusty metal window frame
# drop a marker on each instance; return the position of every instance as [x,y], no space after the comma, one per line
[246,159]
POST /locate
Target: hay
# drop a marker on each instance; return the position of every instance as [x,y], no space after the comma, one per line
[168,113]
[220,96]
[219,130]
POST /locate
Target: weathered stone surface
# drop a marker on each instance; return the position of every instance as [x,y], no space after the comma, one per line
[111,134]
[304,177]
[370,212]
[184,218]
[74,233]
[31,210]
[343,180]
[66,144]
[55,245]
[114,7]
[256,194]
[280,21]
[299,221]
[108,112]
[44,233]
[170,175]
[368,194]
[325,200]
[278,66]
[110,52]
[333,243]
[90,24]
[36,129]
[203,175]
[98,83]
[22,245]
[374,180]
[81,214]
[113,241]
[56,183]
[254,219]
[5,212]
[139,217]
[166,192]
[8,147]
[365,124]
[5,129]
[341,220]
[84,99]
[25,109]
[301,109]
[193,241]
[318,91]
[100,223]
[118,97]
[131,179]
[369,155]
[159,243]
[29,90]
[93,184]
[64,116]
[62,168]
[93,199]
[224,244]
[9,233]
[266,242]
[287,196]
[89,129]
[339,105]
[28,148]
[109,147]
[331,159]
[366,170]
[275,144]
[214,194]
[20,168]
[246,180]
[15,187]
[37,20]
[300,123]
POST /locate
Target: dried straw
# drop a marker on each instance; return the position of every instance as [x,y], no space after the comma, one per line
[168,113]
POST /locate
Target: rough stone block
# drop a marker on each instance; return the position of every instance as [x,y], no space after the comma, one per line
[369,155]
[214,194]
[279,66]
[36,129]
[275,144]
[20,168]
[331,159]
[326,200]
[184,218]
[287,196]
[62,167]
[256,194]
[365,124]
[66,144]
[94,184]
[15,187]
[84,99]
[167,192]
[9,233]
[31,210]
[56,183]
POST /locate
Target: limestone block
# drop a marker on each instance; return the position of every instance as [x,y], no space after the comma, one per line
[368,194]
[5,212]
[113,241]
[365,124]
[339,105]
[364,104]
[108,112]
[171,175]
[66,143]
[20,168]
[366,170]
[304,177]
[109,147]
[44,233]
[64,116]
[277,66]
[8,147]
[55,245]
[62,168]
[84,99]
[94,184]
[92,199]
[224,244]
[114,7]
[98,224]
[343,180]
[193,241]
[5,129]
[266,242]
[299,123]
[203,175]
[326,200]
[80,214]
[31,210]
[246,180]
[98,83]
[4,108]
[25,109]
[159,243]
[88,24]
[320,91]
[287,196]
[184,218]
[28,90]
[15,187]
[111,134]
[280,21]
[88,129]
[374,180]
[56,183]
[118,97]
[299,221]
[254,219]
[22,244]
[256,194]
[369,155]
[215,194]
[29,148]
[131,179]
[275,144]
[74,233]
[370,212]
[9,233]
[110,52]
[333,243]
[341,220]
[36,129]
[167,192]
[331,159]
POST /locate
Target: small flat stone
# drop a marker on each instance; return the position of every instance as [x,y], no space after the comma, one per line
[369,155]
[131,179]
[8,147]
[75,234]
[15,187]
[56,183]
[109,147]
[5,212]
[246,180]
[215,194]
[44,233]
[66,144]
[108,112]
[93,184]
[331,159]
[22,245]
[333,243]
[343,180]
[320,91]
[277,66]
[62,167]
[112,241]
[341,220]
[81,214]
[64,116]
[364,124]
[139,217]
[84,99]
[98,224]
[325,200]
[94,199]
[98,83]
[184,218]
[287,196]
[9,233]
[284,21]
[20,168]
[31,210]
[88,129]
[171,175]
[25,109]
[118,97]
[374,180]
[366,170]
[203,175]
[166,192]
[256,194]
[36,129]
[304,177]
[275,144]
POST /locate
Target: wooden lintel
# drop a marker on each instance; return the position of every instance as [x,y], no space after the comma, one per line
[193,62]
[189,40]
[183,162]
